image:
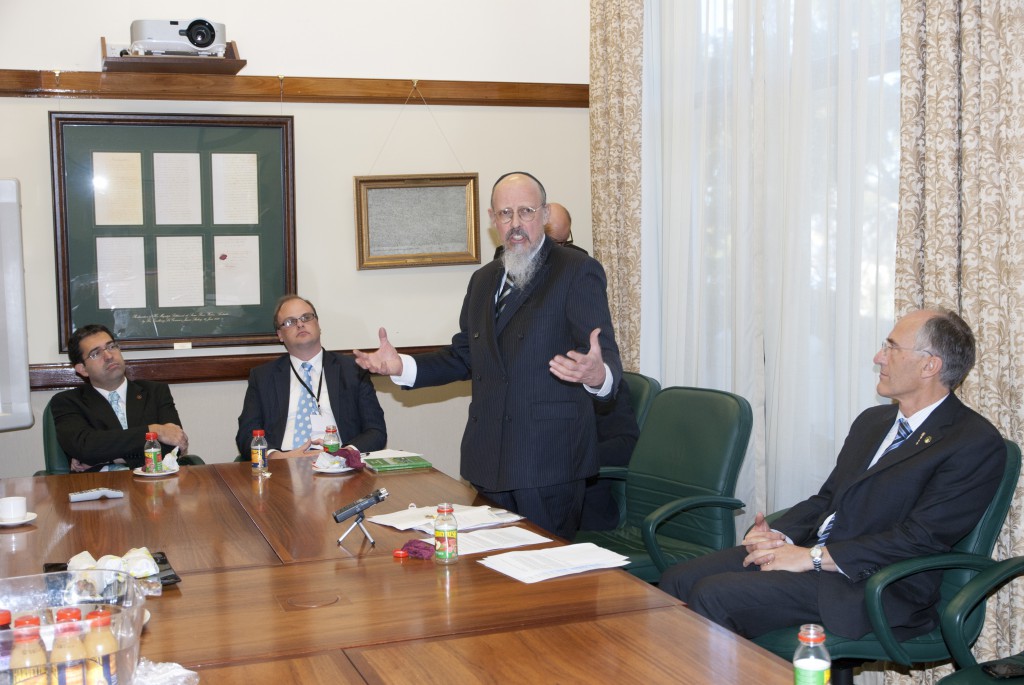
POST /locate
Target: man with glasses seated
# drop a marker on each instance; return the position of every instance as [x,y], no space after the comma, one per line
[536,340]
[102,425]
[295,397]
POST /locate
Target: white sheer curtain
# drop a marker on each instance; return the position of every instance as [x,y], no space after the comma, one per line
[771,164]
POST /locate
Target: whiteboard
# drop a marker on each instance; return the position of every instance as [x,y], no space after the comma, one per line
[15,408]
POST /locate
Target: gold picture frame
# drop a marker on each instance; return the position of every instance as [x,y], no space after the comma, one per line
[419,220]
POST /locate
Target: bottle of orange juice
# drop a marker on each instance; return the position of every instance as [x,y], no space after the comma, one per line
[67,658]
[28,657]
[100,650]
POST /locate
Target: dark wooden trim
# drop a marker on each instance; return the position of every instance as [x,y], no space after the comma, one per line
[206,369]
[191,87]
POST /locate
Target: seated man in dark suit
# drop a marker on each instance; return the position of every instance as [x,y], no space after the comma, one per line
[287,398]
[103,424]
[912,478]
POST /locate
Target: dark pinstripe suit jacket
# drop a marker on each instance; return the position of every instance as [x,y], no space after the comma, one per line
[88,429]
[525,427]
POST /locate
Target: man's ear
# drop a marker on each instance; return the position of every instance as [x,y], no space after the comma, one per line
[933,367]
[80,369]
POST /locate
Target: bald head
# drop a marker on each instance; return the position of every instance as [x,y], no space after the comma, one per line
[559,226]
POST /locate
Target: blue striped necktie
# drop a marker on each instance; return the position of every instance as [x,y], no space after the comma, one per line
[303,425]
[902,433]
[499,305]
[115,404]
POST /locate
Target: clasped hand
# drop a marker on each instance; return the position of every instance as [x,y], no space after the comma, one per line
[768,549]
[575,367]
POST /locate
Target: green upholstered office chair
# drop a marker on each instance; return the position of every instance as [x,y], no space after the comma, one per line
[959,618]
[969,556]
[680,481]
[57,461]
[642,389]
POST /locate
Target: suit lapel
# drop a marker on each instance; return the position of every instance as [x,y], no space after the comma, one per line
[519,296]
[133,403]
[281,394]
[927,434]
[100,408]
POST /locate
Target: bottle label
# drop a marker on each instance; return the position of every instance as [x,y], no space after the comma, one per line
[101,670]
[69,673]
[153,461]
[446,544]
[29,675]
[258,455]
[812,672]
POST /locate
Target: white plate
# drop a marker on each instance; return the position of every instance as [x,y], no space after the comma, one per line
[333,471]
[157,474]
[29,516]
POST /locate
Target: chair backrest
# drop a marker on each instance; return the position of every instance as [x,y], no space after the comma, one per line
[692,443]
[982,539]
[642,389]
[56,460]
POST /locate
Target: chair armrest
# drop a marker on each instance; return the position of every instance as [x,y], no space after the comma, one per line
[613,473]
[650,524]
[877,583]
[964,602]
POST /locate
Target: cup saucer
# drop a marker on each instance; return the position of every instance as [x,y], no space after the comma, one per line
[29,516]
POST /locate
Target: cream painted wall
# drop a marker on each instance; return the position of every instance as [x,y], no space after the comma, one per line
[333,143]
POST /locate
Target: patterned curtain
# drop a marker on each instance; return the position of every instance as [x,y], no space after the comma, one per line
[616,51]
[961,227]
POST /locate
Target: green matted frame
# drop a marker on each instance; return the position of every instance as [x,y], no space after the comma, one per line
[77,138]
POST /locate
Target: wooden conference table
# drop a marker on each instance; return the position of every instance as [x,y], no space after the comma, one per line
[267,594]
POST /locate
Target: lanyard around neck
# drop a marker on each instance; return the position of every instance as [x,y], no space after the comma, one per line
[319,387]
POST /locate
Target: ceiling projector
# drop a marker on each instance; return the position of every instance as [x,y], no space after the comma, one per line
[173,37]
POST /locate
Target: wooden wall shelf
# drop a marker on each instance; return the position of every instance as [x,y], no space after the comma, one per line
[113,85]
[229,64]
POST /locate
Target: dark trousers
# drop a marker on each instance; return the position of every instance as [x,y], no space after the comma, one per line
[555,508]
[747,601]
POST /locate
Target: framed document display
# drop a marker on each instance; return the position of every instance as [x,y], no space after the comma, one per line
[174,228]
[425,220]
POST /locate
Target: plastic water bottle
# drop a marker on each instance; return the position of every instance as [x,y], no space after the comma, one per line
[812,664]
[258,452]
[154,457]
[332,443]
[446,535]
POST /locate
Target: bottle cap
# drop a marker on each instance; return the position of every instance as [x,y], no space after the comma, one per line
[69,614]
[5,617]
[29,620]
[100,617]
[150,436]
[258,433]
[400,554]
[812,633]
[444,508]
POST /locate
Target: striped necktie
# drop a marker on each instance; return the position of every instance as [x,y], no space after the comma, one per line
[502,300]
[902,433]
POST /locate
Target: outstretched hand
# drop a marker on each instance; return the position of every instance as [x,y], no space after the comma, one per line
[384,361]
[576,367]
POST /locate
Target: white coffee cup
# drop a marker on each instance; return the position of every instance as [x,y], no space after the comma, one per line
[12,508]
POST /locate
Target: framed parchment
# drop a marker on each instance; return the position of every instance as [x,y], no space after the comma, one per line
[173,229]
[424,220]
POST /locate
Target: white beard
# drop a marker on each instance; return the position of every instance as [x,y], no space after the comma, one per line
[521,263]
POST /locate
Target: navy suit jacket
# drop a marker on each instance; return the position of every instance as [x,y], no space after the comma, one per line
[353,402]
[526,428]
[920,499]
[88,429]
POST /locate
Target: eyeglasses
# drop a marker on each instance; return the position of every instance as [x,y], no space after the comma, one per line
[526,214]
[567,241]
[291,321]
[888,347]
[109,347]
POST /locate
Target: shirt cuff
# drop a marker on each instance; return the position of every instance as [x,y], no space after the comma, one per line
[605,389]
[408,376]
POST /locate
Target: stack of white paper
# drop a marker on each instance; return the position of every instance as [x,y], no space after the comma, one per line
[422,518]
[532,566]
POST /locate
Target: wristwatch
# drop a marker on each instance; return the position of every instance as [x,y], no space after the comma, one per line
[816,553]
